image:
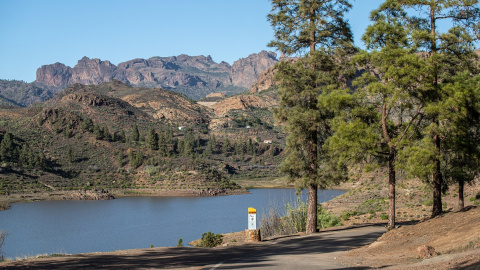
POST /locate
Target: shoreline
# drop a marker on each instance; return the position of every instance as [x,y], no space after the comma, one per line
[102,194]
[94,194]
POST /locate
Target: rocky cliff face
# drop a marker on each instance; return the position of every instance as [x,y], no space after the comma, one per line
[92,71]
[246,70]
[194,76]
[265,80]
[57,75]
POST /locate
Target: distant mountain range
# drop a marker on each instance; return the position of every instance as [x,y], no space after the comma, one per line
[194,76]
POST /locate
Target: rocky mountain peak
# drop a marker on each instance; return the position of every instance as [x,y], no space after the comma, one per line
[194,76]
[57,75]
[245,71]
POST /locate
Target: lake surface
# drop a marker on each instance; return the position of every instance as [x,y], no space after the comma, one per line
[132,222]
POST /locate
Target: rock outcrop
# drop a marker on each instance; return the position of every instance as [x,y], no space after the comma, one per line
[265,80]
[243,102]
[92,71]
[56,75]
[246,70]
[90,195]
[194,76]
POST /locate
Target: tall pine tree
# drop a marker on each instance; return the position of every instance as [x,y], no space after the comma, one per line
[446,54]
[317,29]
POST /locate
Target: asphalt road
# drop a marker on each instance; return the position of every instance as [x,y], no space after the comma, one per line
[316,251]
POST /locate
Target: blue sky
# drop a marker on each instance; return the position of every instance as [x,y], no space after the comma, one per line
[39,32]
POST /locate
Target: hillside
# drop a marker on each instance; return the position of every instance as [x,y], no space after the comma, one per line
[127,140]
[21,94]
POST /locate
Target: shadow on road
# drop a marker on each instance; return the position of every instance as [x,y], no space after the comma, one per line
[255,255]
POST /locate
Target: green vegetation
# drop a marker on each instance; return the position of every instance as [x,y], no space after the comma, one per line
[414,105]
[180,242]
[294,220]
[210,239]
[58,146]
[473,200]
[306,86]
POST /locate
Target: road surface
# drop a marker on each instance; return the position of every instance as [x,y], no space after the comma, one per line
[316,251]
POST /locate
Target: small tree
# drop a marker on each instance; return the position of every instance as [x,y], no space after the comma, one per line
[152,139]
[120,158]
[7,148]
[226,147]
[138,159]
[210,239]
[70,156]
[163,143]
[135,134]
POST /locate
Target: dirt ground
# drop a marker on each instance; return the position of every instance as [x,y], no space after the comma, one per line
[455,237]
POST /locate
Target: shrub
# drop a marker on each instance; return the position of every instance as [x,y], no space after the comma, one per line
[428,202]
[383,216]
[345,215]
[180,242]
[294,220]
[473,200]
[297,216]
[210,239]
[326,219]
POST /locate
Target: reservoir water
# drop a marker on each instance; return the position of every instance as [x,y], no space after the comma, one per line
[132,222]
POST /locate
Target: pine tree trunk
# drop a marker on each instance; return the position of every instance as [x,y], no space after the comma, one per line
[437,182]
[312,209]
[461,199]
[391,190]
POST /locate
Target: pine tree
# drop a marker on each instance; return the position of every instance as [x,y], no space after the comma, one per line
[135,134]
[24,157]
[41,161]
[138,159]
[445,54]
[251,146]
[318,28]
[97,131]
[175,146]
[152,139]
[7,148]
[209,149]
[131,159]
[226,147]
[70,155]
[122,137]
[120,158]
[386,107]
[188,147]
[87,124]
[106,134]
[461,138]
[163,143]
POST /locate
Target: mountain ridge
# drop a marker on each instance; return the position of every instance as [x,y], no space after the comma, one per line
[194,76]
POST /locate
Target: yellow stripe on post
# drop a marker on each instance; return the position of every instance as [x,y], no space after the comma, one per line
[252,210]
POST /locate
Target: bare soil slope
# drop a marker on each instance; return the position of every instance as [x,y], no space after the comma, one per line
[455,237]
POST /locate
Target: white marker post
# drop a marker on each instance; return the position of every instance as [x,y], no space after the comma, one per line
[252,218]
[252,234]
